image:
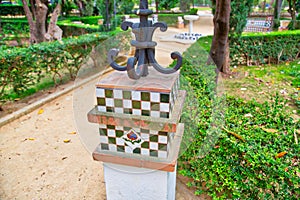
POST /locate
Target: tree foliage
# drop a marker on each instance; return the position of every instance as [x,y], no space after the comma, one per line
[238,16]
[167,5]
[277,11]
[106,9]
[125,6]
[292,11]
[185,5]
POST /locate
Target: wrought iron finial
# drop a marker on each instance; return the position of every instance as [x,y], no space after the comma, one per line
[145,47]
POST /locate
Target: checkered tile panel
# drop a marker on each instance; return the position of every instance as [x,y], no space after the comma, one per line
[145,103]
[258,25]
[154,143]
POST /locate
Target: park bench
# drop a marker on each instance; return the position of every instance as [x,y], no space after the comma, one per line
[259,25]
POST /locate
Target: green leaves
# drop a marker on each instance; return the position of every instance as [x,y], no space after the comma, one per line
[255,157]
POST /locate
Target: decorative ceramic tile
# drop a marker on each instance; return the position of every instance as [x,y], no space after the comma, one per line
[146,103]
[154,96]
[118,94]
[127,103]
[135,141]
[162,154]
[132,139]
[100,92]
[119,110]
[154,114]
[136,95]
[101,108]
[164,107]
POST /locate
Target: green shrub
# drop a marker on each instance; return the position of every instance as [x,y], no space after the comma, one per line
[22,68]
[193,11]
[125,7]
[170,19]
[12,26]
[255,156]
[6,9]
[262,48]
[167,5]
[91,20]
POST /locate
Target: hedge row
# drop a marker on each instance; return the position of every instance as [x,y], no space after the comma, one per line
[24,67]
[171,19]
[89,25]
[11,10]
[263,48]
[92,20]
[14,26]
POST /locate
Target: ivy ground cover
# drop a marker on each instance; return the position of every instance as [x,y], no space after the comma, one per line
[256,153]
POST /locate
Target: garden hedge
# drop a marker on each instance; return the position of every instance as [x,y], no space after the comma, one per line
[263,48]
[23,68]
[171,19]
[13,26]
[6,9]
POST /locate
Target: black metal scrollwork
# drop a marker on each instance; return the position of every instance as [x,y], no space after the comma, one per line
[145,47]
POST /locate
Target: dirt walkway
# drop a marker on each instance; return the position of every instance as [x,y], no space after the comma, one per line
[41,154]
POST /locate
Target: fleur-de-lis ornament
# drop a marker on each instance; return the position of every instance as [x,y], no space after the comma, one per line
[137,66]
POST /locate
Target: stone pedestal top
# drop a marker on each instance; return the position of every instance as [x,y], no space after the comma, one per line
[155,81]
[191,17]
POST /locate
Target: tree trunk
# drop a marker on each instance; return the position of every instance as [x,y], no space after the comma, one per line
[40,21]
[226,62]
[292,11]
[53,20]
[80,7]
[38,24]
[219,51]
[277,10]
[264,6]
[156,6]
[32,25]
[184,5]
[32,2]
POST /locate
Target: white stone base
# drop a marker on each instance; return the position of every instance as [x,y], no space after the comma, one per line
[124,183]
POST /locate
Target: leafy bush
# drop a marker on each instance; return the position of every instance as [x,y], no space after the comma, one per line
[262,48]
[6,9]
[91,20]
[193,11]
[12,26]
[125,7]
[24,67]
[255,157]
[170,19]
[167,5]
[89,25]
